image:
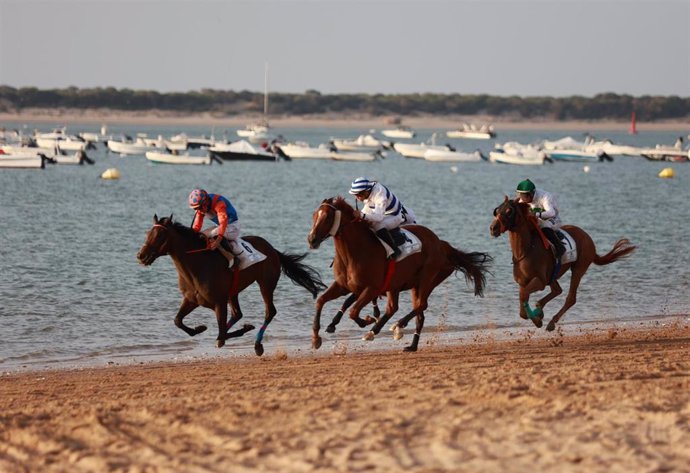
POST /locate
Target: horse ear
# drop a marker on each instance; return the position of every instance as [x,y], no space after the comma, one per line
[171,217]
[155,219]
[505,198]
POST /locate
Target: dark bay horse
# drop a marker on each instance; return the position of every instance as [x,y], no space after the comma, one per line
[534,264]
[360,267]
[205,279]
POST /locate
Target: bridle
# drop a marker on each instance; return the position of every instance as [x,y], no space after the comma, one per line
[162,250]
[335,227]
[503,226]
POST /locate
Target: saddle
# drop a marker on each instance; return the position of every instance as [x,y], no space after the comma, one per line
[407,242]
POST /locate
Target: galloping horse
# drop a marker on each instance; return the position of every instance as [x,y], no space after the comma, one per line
[360,267]
[205,279]
[534,265]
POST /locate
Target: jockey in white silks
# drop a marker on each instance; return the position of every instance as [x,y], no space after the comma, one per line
[382,210]
[543,206]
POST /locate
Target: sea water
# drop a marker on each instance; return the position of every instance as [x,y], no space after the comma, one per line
[72,292]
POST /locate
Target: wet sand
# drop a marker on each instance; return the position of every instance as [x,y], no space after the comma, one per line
[600,400]
[96,118]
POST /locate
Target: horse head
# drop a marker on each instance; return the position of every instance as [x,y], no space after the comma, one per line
[156,243]
[328,218]
[508,216]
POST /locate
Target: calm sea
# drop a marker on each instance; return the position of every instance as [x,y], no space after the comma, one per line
[72,292]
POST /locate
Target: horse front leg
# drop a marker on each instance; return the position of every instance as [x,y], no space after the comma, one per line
[555,292]
[334,291]
[186,307]
[221,311]
[536,315]
[336,320]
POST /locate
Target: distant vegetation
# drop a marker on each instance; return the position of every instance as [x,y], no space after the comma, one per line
[224,103]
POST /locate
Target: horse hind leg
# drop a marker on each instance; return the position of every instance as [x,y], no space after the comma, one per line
[234,318]
[555,292]
[186,307]
[267,295]
[417,333]
[570,300]
[391,308]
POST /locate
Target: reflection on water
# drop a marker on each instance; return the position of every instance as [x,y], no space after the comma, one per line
[72,291]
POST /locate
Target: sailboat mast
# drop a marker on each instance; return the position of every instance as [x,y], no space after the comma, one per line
[266,91]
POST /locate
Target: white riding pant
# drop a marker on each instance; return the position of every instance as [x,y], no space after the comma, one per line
[549,224]
[389,222]
[232,233]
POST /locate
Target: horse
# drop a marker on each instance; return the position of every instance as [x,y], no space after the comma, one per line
[205,280]
[361,268]
[534,264]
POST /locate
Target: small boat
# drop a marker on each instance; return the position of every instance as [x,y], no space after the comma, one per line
[417,150]
[11,149]
[577,155]
[355,156]
[361,143]
[483,132]
[79,157]
[242,150]
[160,157]
[448,156]
[519,154]
[301,150]
[404,132]
[24,161]
[132,148]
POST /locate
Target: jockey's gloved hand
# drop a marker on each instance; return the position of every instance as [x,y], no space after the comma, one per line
[214,242]
[536,210]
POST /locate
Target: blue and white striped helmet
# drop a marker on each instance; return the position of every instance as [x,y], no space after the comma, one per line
[361,184]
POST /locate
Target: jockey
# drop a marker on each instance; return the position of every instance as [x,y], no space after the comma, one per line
[543,206]
[382,210]
[223,214]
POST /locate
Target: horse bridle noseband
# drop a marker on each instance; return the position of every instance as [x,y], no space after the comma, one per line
[162,247]
[499,218]
[335,227]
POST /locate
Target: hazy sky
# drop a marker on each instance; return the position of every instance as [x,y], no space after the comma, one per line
[504,47]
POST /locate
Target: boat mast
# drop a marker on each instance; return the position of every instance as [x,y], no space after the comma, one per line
[266,92]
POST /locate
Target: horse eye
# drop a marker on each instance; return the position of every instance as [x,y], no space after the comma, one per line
[508,210]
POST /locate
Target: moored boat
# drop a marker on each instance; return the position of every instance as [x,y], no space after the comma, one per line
[448,156]
[160,157]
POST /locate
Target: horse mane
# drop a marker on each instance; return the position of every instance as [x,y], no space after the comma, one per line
[341,204]
[184,230]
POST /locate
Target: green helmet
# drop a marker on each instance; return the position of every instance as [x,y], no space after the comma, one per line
[526,186]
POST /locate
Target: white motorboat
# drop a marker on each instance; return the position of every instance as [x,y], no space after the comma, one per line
[301,150]
[516,153]
[665,153]
[128,148]
[160,157]
[471,131]
[242,150]
[12,149]
[417,150]
[23,161]
[448,156]
[401,132]
[354,156]
[612,149]
[577,155]
[78,157]
[363,143]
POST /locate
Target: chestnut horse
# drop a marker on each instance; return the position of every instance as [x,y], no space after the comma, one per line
[534,265]
[360,267]
[205,279]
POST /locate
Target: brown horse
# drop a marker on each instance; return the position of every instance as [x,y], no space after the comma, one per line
[360,267]
[205,279]
[534,265]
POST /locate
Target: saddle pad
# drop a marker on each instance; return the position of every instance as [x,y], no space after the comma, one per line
[249,254]
[570,253]
[410,246]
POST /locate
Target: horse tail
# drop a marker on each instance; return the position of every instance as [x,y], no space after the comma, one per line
[621,249]
[473,265]
[300,273]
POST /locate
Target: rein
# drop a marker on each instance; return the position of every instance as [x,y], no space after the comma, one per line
[190,251]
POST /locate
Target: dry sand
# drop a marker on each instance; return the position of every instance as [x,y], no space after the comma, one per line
[99,117]
[608,400]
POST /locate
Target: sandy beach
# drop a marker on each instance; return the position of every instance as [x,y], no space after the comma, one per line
[67,117]
[613,400]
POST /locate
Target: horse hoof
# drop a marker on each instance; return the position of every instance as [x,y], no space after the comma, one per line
[316,343]
[550,326]
[369,336]
[258,349]
[248,327]
[538,322]
[220,343]
[199,329]
[330,329]
[410,349]
[368,320]
[398,333]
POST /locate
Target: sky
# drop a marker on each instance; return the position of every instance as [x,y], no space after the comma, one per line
[509,47]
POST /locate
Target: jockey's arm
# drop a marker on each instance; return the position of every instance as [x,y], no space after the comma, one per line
[198,221]
[549,208]
[377,213]
[222,215]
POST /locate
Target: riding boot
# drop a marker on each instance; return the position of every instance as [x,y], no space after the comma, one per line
[553,238]
[226,250]
[386,236]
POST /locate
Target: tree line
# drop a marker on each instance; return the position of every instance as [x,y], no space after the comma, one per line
[230,103]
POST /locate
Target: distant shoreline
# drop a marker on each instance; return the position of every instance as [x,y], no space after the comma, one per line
[63,117]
